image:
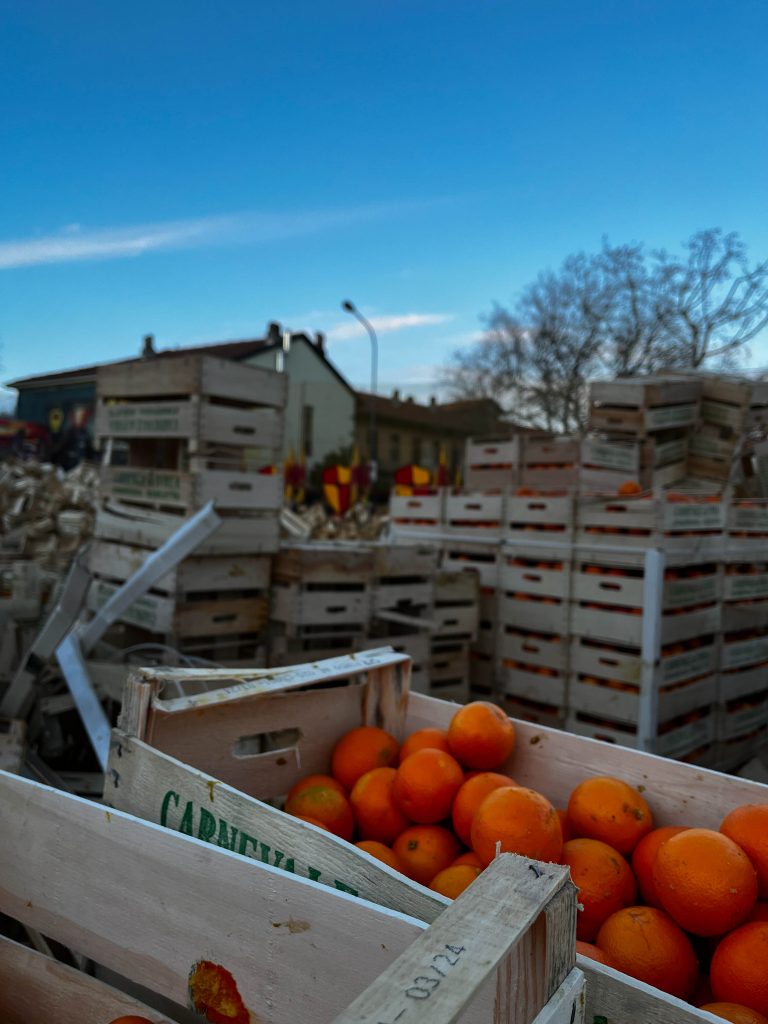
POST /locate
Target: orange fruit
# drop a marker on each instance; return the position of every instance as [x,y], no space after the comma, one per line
[609,810]
[425,851]
[382,853]
[425,785]
[564,826]
[705,881]
[644,857]
[472,793]
[646,944]
[739,970]
[735,1013]
[377,815]
[316,780]
[452,881]
[481,736]
[629,487]
[326,806]
[758,913]
[604,880]
[359,751]
[522,820]
[747,826]
[425,739]
[470,857]
[591,951]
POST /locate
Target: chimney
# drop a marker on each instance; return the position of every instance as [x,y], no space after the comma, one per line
[148,349]
[396,395]
[274,334]
[320,341]
[432,402]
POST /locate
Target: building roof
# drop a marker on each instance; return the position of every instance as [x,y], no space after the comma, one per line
[236,350]
[477,415]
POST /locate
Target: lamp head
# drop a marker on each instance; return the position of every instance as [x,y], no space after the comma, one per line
[347,306]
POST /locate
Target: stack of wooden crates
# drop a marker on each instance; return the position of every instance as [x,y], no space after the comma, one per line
[178,431]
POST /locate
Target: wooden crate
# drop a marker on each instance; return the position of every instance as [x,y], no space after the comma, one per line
[532,682]
[325,562]
[541,572]
[415,645]
[217,573]
[185,749]
[21,589]
[319,608]
[731,754]
[403,577]
[746,531]
[482,559]
[742,716]
[539,517]
[551,716]
[530,647]
[449,670]
[743,663]
[491,465]
[677,738]
[474,514]
[164,940]
[712,452]
[745,596]
[166,488]
[418,515]
[550,463]
[239,534]
[640,406]
[528,612]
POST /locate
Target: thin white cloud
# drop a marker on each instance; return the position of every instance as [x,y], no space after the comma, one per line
[73,243]
[387,324]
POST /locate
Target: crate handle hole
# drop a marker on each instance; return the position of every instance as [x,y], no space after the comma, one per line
[284,740]
[612,662]
[225,618]
[532,648]
[532,577]
[236,486]
[248,431]
[610,586]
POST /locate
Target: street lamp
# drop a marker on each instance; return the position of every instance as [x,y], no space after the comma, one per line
[350,307]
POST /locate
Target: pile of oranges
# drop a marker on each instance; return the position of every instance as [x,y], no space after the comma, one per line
[684,909]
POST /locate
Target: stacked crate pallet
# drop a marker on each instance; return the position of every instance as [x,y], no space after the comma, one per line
[403,604]
[177,433]
[534,606]
[321,600]
[641,432]
[455,618]
[733,417]
[644,651]
[742,708]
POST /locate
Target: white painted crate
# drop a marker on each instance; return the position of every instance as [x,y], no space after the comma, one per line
[474,513]
[544,572]
[639,406]
[186,490]
[550,463]
[491,465]
[621,701]
[743,664]
[681,740]
[548,650]
[742,716]
[544,685]
[540,517]
[538,614]
[482,559]
[21,589]
[417,514]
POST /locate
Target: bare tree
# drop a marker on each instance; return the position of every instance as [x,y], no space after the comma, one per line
[716,302]
[612,313]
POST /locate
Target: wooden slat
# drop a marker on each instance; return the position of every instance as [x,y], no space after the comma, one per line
[34,988]
[498,919]
[150,904]
[159,788]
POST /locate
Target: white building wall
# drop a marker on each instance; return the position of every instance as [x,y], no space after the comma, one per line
[311,382]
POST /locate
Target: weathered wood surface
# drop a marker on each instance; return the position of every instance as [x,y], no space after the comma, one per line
[158,788]
[497,923]
[36,990]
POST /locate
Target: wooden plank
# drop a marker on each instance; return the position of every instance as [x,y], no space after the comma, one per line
[159,788]
[221,617]
[251,428]
[238,381]
[36,988]
[150,486]
[497,922]
[139,378]
[158,903]
[253,491]
[324,563]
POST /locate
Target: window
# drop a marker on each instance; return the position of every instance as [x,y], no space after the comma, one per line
[416,451]
[394,450]
[307,425]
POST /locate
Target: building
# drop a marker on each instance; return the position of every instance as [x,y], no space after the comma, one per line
[320,414]
[408,432]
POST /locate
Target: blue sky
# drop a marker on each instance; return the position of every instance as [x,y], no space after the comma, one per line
[196,169]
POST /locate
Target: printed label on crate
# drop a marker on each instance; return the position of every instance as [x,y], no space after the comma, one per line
[735,723]
[749,518]
[670,451]
[145,612]
[679,593]
[147,485]
[699,516]
[610,456]
[689,665]
[670,416]
[125,420]
[193,819]
[710,447]
[738,587]
[742,653]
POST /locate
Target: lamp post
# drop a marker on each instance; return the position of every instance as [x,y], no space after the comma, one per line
[350,307]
